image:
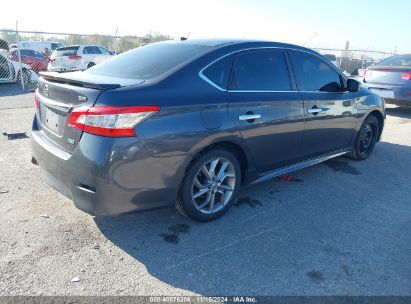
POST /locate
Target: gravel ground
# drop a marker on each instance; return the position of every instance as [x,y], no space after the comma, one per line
[340,228]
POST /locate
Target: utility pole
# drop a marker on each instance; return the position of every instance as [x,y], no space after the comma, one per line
[114,40]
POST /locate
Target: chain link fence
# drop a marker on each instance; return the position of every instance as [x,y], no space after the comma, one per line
[24,54]
[353,62]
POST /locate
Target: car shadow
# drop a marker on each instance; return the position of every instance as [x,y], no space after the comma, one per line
[321,236]
[402,112]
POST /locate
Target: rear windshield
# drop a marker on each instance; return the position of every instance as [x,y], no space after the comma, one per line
[149,61]
[400,60]
[66,51]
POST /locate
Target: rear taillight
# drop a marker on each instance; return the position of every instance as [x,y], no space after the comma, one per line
[361,72]
[367,73]
[406,76]
[110,121]
[36,100]
[74,57]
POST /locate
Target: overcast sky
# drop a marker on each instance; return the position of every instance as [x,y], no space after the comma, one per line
[379,24]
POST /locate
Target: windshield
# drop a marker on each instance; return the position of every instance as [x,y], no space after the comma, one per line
[148,61]
[400,60]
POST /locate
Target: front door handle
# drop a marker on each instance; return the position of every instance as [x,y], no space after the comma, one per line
[249,117]
[315,110]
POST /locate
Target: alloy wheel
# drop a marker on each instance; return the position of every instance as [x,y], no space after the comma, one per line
[213,185]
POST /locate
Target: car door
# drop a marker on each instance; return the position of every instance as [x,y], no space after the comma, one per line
[96,53]
[330,110]
[266,108]
[92,54]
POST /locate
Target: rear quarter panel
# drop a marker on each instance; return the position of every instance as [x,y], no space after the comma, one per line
[193,115]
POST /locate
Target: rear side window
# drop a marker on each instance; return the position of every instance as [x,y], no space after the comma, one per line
[66,51]
[91,50]
[313,74]
[219,72]
[260,71]
[149,61]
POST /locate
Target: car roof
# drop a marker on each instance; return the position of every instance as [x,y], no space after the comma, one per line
[246,43]
[78,46]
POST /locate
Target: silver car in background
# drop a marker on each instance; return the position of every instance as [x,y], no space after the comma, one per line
[391,79]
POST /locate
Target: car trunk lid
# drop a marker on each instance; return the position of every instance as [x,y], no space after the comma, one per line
[387,75]
[58,94]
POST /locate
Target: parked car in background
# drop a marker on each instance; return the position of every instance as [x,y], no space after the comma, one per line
[37,61]
[391,79]
[188,122]
[10,70]
[40,46]
[77,57]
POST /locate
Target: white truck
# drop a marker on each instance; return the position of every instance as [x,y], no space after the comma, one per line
[40,46]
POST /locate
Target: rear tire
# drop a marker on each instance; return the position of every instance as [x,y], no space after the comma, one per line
[210,186]
[91,64]
[366,139]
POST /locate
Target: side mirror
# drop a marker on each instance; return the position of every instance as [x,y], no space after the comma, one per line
[353,85]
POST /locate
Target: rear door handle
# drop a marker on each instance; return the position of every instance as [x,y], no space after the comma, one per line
[249,117]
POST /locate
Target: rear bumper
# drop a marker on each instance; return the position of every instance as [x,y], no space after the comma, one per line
[106,176]
[401,94]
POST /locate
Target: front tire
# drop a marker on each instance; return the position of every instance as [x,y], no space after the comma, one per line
[210,185]
[366,138]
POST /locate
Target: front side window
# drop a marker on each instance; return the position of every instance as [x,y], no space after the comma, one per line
[104,51]
[260,71]
[38,55]
[313,74]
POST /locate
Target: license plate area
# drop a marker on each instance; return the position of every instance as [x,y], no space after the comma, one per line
[52,120]
[383,93]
